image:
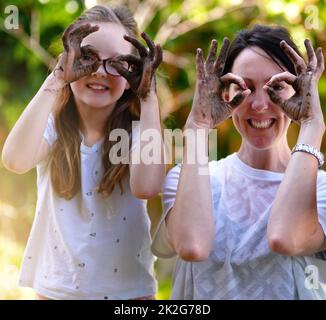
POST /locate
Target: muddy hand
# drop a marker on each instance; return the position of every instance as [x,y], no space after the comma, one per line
[76,61]
[209,108]
[141,74]
[304,105]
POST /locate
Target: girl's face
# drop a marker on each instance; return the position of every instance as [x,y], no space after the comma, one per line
[99,89]
[260,122]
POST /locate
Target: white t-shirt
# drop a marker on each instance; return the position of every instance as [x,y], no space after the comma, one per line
[241,265]
[89,247]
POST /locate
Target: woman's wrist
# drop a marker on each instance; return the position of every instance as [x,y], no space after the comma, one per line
[312,133]
[314,124]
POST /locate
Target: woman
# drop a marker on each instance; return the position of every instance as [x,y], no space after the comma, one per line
[236,230]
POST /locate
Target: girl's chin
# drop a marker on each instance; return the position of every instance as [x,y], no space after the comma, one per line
[97,104]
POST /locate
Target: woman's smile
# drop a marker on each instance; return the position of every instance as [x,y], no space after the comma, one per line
[261,124]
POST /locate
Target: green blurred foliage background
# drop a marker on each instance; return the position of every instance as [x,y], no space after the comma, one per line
[27,54]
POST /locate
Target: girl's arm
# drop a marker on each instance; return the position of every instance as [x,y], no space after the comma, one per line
[293,227]
[190,223]
[25,146]
[146,178]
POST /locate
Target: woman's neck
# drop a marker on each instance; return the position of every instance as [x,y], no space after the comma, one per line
[274,159]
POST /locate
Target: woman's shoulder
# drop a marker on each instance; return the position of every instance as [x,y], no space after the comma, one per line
[212,165]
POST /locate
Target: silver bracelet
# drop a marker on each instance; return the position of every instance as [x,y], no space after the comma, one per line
[310,149]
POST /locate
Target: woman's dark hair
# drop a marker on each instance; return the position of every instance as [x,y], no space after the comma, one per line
[266,38]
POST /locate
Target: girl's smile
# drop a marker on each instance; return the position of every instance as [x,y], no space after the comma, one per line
[97,87]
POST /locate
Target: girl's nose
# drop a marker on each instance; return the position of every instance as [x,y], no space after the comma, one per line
[100,71]
[260,100]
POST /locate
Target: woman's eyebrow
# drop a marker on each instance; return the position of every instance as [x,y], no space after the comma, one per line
[251,80]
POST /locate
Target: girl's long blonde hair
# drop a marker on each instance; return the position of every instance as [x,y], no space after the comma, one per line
[64,160]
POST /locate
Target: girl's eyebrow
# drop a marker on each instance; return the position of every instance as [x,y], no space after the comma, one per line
[113,55]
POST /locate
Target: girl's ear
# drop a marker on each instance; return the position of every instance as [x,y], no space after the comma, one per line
[127,85]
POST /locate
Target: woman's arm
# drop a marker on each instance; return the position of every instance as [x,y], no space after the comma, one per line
[293,227]
[190,224]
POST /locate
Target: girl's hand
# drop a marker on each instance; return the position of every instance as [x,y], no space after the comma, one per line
[76,61]
[209,108]
[141,76]
[304,106]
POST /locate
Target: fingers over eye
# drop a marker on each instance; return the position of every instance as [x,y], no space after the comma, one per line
[158,56]
[141,49]
[65,37]
[150,44]
[320,61]
[121,70]
[81,31]
[238,98]
[200,64]
[274,96]
[90,51]
[130,58]
[312,60]
[298,62]
[287,77]
[220,62]
[75,34]
[212,53]
[229,78]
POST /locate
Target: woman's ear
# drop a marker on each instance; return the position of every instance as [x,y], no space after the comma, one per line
[127,86]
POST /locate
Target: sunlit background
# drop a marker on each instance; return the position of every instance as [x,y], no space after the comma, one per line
[26,54]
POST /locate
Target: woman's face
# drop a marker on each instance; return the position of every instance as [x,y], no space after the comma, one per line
[99,89]
[260,122]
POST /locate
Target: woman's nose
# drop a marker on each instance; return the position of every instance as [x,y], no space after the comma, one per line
[260,100]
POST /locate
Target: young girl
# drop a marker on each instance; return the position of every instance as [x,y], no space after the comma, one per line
[90,238]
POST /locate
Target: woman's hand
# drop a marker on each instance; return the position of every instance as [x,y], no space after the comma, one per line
[76,61]
[304,106]
[141,76]
[208,107]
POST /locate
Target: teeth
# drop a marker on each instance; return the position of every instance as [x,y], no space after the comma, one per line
[261,124]
[97,87]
